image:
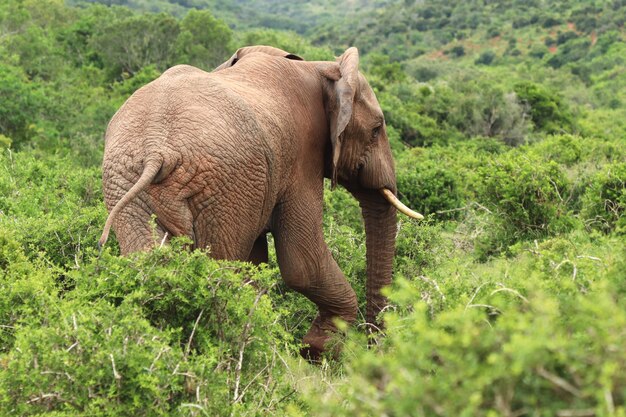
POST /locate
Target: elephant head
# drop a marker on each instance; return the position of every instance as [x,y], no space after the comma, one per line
[268,50]
[361,160]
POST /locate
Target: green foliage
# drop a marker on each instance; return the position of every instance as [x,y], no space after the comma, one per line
[204,41]
[148,335]
[547,110]
[92,360]
[5,142]
[127,45]
[510,343]
[51,211]
[386,71]
[485,109]
[19,104]
[457,51]
[604,203]
[430,188]
[287,41]
[570,52]
[524,197]
[564,149]
[420,247]
[27,291]
[485,58]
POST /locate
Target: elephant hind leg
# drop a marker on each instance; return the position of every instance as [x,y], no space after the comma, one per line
[259,253]
[135,230]
[175,217]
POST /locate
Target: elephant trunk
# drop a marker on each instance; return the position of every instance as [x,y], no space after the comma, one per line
[380,230]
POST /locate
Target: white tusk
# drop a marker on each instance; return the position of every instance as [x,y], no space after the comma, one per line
[393,200]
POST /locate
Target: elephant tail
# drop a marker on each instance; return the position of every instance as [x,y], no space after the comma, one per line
[150,171]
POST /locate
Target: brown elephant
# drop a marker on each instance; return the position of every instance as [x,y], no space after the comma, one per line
[228,156]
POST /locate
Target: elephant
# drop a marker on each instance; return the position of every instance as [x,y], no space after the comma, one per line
[227,156]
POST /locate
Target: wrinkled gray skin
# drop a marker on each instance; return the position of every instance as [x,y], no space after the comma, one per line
[227,156]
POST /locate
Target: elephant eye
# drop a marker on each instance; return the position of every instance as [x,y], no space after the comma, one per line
[376,131]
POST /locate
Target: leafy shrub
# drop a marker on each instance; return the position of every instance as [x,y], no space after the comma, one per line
[150,334]
[563,37]
[572,51]
[457,51]
[551,21]
[415,127]
[127,45]
[604,203]
[19,105]
[430,188]
[538,51]
[93,359]
[381,67]
[420,247]
[50,211]
[514,52]
[520,22]
[204,41]
[563,149]
[482,108]
[424,72]
[525,198]
[501,349]
[549,41]
[485,58]
[547,110]
[493,31]
[287,41]
[26,292]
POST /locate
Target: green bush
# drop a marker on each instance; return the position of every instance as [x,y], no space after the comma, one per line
[430,187]
[508,345]
[572,51]
[547,110]
[20,103]
[402,106]
[485,58]
[27,290]
[152,334]
[564,149]
[93,359]
[604,202]
[456,51]
[420,247]
[524,196]
[51,211]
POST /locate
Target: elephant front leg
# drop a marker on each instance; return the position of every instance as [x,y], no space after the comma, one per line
[307,266]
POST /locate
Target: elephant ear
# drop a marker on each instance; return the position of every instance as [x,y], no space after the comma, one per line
[268,50]
[340,111]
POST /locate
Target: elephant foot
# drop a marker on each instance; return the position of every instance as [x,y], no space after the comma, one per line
[321,337]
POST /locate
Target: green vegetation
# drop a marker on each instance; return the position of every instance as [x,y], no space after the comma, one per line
[508,124]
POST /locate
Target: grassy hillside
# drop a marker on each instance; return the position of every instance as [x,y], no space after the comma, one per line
[508,125]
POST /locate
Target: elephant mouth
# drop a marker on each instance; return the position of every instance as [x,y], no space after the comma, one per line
[393,200]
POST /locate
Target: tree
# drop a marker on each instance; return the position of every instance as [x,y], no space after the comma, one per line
[485,58]
[204,41]
[547,110]
[129,44]
[19,104]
